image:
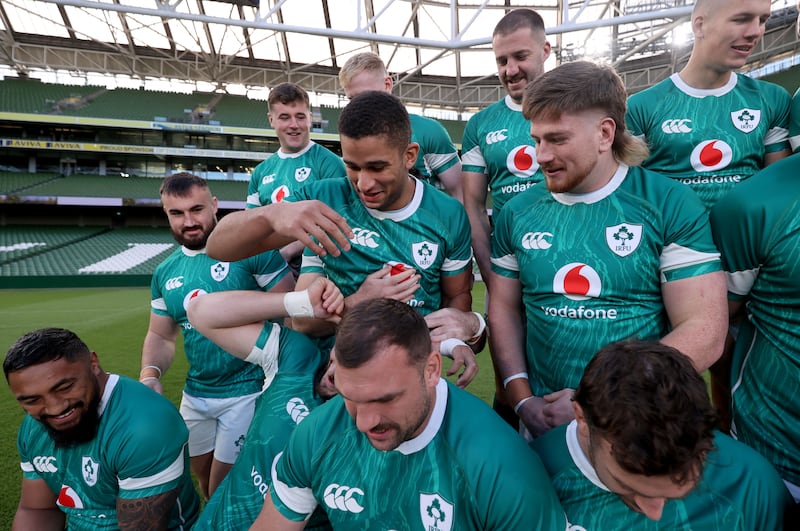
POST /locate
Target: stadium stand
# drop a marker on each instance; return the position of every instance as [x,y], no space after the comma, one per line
[32,96]
[242,112]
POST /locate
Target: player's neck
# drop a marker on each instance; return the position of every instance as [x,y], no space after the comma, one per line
[704,76]
[601,175]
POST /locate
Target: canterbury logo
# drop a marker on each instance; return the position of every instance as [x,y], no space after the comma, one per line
[343,498]
[677,126]
[173,283]
[297,409]
[45,463]
[537,240]
[497,136]
[364,237]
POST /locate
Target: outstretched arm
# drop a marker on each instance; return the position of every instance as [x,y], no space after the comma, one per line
[37,508]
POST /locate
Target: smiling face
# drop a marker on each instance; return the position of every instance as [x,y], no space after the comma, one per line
[62,395]
[520,57]
[379,170]
[192,217]
[727,31]
[390,399]
[292,124]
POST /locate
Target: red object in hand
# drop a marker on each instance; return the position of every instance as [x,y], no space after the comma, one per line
[397,268]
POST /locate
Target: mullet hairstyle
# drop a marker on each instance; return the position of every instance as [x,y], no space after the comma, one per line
[648,401]
[376,113]
[361,62]
[583,86]
[44,345]
[376,324]
[180,184]
[287,93]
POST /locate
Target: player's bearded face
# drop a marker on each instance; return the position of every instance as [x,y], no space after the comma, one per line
[520,58]
[195,235]
[86,428]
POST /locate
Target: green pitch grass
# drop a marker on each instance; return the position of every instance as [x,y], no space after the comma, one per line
[113,323]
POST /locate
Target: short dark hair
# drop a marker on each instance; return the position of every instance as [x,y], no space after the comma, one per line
[287,93]
[180,184]
[520,18]
[648,401]
[583,86]
[43,345]
[376,324]
[376,113]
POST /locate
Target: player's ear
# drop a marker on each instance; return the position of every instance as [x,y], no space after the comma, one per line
[698,23]
[410,155]
[580,417]
[433,368]
[607,130]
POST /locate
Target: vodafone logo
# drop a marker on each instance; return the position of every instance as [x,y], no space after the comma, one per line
[577,282]
[67,497]
[191,295]
[521,161]
[711,155]
[280,193]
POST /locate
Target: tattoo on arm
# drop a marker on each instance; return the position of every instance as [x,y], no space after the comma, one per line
[148,513]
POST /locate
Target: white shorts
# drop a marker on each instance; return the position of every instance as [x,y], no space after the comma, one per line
[217,424]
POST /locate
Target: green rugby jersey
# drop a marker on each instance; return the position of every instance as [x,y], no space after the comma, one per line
[738,491]
[591,266]
[436,150]
[757,229]
[282,406]
[497,142]
[710,139]
[466,470]
[139,451]
[794,122]
[283,174]
[431,234]
[186,274]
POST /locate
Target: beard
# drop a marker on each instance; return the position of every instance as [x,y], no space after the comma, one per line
[84,431]
[194,243]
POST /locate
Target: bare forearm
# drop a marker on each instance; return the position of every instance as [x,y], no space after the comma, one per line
[157,351]
[39,519]
[481,248]
[242,234]
[226,309]
[148,513]
[701,343]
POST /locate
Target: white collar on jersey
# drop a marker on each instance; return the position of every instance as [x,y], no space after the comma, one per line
[598,195]
[579,458]
[284,155]
[434,423]
[193,252]
[513,105]
[702,93]
[405,212]
[111,383]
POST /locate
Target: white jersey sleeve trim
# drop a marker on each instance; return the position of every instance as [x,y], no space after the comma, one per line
[776,135]
[253,199]
[508,261]
[473,157]
[455,265]
[26,466]
[158,304]
[266,355]
[298,499]
[794,141]
[311,261]
[434,161]
[676,256]
[740,282]
[171,473]
[265,279]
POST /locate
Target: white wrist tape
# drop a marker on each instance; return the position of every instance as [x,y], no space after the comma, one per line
[521,403]
[514,377]
[481,327]
[298,304]
[447,346]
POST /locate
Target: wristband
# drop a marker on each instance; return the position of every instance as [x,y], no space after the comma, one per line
[298,304]
[447,346]
[520,403]
[481,328]
[148,378]
[514,377]
[156,367]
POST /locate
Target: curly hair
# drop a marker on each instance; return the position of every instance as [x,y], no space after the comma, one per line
[43,345]
[375,113]
[648,401]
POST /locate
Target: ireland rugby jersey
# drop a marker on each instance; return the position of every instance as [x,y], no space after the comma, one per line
[436,151]
[283,174]
[431,234]
[710,139]
[139,451]
[185,274]
[466,470]
[286,402]
[497,142]
[794,123]
[738,491]
[757,229]
[591,266]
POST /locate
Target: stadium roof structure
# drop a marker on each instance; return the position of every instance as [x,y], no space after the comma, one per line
[438,51]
